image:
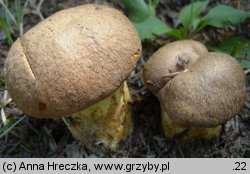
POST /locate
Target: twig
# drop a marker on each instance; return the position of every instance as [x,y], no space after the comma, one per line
[174,73]
[51,141]
[21,23]
[26,149]
[14,146]
[65,121]
[3,116]
[37,7]
[247,71]
[12,126]
[237,124]
[179,148]
[247,105]
[21,29]
[6,100]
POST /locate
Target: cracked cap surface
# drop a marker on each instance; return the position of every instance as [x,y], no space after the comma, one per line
[71,60]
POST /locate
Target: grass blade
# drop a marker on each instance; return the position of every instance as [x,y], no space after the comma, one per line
[6,31]
[8,12]
[6,129]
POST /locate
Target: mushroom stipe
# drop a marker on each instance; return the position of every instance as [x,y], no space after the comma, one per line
[106,122]
[186,134]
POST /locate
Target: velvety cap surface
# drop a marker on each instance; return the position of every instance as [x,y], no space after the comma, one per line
[71,60]
[209,94]
[164,61]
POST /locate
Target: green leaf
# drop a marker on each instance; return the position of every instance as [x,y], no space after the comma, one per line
[177,33]
[236,46]
[245,64]
[138,9]
[150,27]
[189,14]
[222,15]
[143,16]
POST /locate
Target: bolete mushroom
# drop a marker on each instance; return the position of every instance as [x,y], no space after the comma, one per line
[76,62]
[198,90]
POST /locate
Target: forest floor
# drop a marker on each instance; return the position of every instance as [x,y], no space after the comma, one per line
[50,138]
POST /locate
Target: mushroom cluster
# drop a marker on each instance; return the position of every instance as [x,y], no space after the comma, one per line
[75,63]
[198,90]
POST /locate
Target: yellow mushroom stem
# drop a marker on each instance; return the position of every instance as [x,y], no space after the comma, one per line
[187,134]
[106,122]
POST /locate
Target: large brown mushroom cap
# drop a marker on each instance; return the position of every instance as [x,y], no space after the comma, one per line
[71,60]
[209,94]
[165,61]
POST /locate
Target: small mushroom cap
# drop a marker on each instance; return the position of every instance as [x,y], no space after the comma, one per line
[209,94]
[165,60]
[71,60]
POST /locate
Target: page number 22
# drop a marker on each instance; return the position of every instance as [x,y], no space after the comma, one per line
[240,166]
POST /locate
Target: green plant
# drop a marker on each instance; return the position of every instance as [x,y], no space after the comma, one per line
[193,22]
[143,16]
[11,19]
[220,16]
[237,47]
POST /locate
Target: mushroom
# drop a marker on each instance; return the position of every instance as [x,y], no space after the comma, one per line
[198,90]
[75,63]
